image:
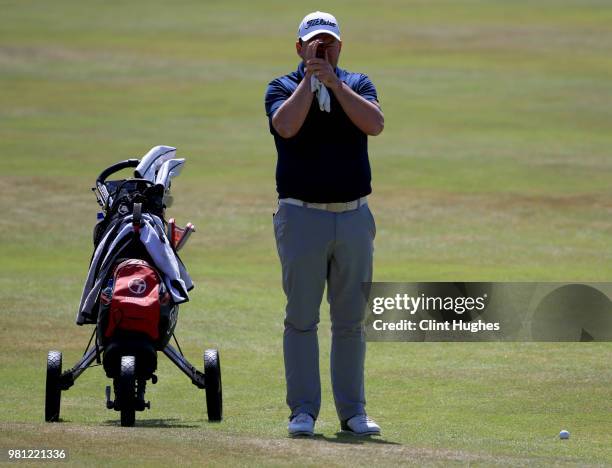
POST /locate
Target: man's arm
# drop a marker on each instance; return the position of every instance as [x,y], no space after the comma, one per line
[290,116]
[366,115]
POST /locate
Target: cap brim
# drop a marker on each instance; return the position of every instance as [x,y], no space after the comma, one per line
[312,34]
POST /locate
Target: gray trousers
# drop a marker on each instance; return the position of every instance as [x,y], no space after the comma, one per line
[315,247]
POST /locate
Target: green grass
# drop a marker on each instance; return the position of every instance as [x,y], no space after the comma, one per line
[494,165]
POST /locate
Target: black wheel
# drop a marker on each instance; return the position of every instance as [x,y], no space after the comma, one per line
[214,394]
[53,392]
[127,390]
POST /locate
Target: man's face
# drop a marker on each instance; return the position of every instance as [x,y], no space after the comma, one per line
[327,44]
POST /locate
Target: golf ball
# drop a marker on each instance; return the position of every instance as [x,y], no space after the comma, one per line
[564,434]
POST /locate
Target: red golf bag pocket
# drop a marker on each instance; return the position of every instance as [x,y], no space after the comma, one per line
[134,304]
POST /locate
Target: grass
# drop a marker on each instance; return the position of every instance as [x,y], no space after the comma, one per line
[494,165]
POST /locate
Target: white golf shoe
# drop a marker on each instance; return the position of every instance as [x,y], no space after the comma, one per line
[361,425]
[301,425]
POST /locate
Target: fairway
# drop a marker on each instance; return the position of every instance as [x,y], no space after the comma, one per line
[495,165]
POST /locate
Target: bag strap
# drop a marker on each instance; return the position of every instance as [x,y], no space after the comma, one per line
[137,217]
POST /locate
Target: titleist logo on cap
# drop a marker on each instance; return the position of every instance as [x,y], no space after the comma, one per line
[319,21]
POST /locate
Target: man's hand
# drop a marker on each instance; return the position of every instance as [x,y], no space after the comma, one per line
[310,52]
[322,69]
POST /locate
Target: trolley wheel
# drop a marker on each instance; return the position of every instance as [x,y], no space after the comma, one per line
[53,391]
[127,390]
[214,394]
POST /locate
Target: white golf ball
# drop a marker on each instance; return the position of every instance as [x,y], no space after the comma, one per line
[564,434]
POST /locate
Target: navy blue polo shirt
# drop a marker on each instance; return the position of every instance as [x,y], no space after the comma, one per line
[327,160]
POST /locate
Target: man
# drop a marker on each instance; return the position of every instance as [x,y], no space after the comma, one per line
[320,116]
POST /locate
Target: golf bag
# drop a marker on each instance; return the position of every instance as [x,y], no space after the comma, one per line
[136,279]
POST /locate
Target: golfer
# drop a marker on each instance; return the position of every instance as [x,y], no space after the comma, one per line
[321,116]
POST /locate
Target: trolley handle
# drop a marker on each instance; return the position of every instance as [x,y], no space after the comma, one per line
[116,168]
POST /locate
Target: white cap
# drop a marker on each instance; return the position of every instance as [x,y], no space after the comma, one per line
[317,23]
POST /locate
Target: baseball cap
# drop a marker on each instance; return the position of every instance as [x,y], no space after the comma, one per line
[316,23]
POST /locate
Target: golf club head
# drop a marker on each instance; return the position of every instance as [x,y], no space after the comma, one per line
[151,162]
[167,171]
[165,174]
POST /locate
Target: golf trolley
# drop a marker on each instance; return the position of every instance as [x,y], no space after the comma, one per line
[135,284]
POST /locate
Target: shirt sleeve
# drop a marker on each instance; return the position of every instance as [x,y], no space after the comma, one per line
[366,89]
[276,94]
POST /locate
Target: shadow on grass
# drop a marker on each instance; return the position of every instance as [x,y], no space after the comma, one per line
[343,438]
[153,423]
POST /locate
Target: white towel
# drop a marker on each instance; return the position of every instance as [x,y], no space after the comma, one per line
[322,93]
